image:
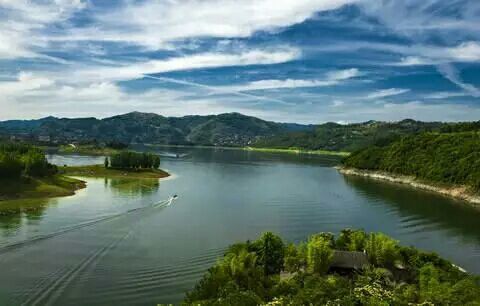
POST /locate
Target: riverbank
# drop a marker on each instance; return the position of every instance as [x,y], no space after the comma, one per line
[268,150]
[457,192]
[101,171]
[33,188]
[87,150]
[298,151]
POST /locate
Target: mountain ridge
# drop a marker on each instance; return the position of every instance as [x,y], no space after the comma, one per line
[231,129]
[227,129]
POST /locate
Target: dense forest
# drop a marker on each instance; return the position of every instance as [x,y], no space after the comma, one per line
[451,158]
[133,160]
[270,272]
[350,137]
[18,160]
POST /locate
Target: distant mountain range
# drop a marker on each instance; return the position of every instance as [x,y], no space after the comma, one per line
[231,129]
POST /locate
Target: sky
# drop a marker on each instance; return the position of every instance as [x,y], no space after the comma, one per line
[304,61]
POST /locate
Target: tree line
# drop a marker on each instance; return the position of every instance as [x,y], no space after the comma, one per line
[452,158]
[132,160]
[249,274]
[18,160]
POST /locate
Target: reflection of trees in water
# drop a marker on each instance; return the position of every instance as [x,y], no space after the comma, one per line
[133,187]
[14,214]
[448,214]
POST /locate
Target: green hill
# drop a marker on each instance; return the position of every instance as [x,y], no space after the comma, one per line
[351,137]
[451,158]
[232,129]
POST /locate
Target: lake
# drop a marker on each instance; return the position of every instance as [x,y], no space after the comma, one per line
[117,243]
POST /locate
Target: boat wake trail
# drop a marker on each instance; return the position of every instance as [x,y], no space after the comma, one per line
[161,204]
[48,292]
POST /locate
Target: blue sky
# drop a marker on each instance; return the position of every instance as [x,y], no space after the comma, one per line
[306,61]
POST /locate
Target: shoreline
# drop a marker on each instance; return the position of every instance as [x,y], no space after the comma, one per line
[298,151]
[456,192]
[248,148]
[101,171]
[39,188]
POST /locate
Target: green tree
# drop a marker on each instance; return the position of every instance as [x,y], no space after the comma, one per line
[271,252]
[382,250]
[294,260]
[319,254]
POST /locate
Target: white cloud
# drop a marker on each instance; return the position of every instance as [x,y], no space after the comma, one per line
[451,74]
[444,95]
[415,19]
[23,20]
[24,83]
[156,24]
[467,51]
[331,78]
[413,61]
[383,93]
[337,103]
[203,60]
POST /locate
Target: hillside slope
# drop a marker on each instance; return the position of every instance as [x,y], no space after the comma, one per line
[450,158]
[351,137]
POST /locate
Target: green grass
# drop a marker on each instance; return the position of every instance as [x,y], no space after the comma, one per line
[298,151]
[101,171]
[87,150]
[30,188]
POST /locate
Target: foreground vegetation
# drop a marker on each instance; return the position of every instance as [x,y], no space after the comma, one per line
[445,158]
[270,272]
[26,173]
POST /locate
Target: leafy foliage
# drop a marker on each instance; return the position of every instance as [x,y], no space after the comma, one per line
[452,158]
[133,160]
[18,160]
[241,277]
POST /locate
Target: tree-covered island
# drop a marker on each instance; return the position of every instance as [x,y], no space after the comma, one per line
[124,164]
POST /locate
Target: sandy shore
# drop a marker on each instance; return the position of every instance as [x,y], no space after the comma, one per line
[457,192]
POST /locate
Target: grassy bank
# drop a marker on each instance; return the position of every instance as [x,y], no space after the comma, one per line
[298,151]
[101,171]
[87,150]
[32,188]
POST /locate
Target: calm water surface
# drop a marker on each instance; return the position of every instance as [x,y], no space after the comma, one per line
[107,245]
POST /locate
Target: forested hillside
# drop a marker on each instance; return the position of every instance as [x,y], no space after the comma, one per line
[230,129]
[452,158]
[351,137]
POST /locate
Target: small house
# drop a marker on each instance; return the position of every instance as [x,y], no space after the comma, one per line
[346,261]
